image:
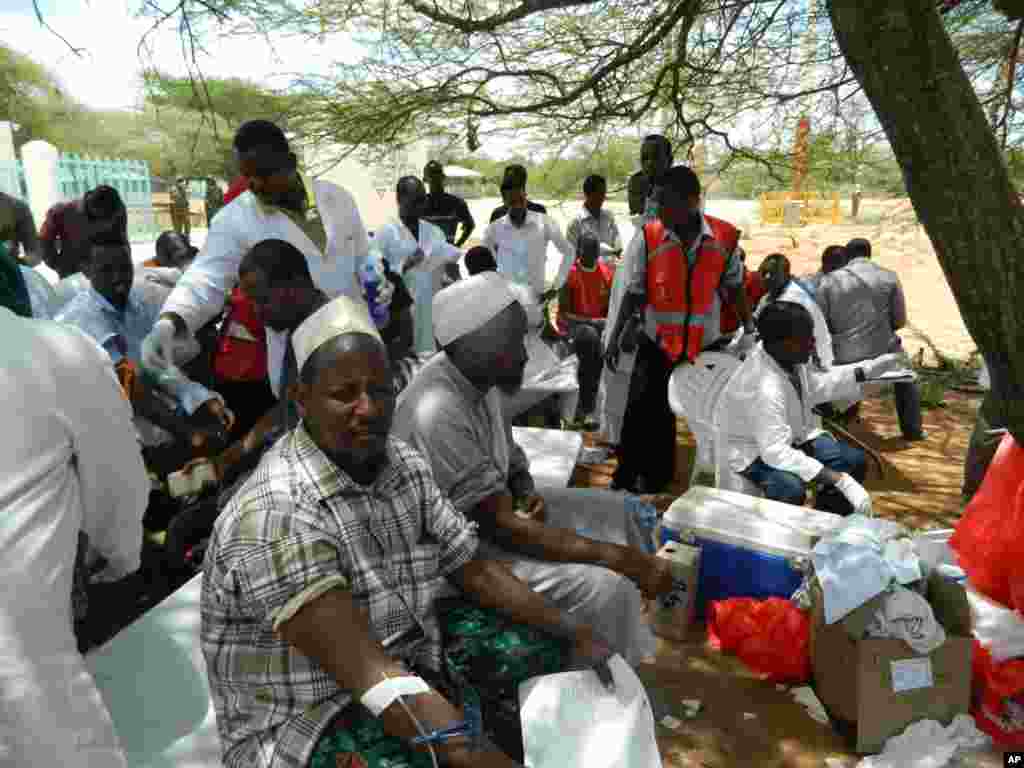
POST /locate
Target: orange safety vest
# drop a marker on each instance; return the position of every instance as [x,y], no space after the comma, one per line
[680,296]
[590,291]
[725,233]
[241,353]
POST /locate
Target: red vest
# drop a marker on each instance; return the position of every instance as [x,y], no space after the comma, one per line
[725,233]
[590,291]
[241,353]
[680,296]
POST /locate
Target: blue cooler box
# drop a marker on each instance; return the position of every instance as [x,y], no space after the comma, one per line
[750,546]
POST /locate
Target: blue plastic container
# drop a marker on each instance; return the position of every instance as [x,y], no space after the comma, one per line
[750,547]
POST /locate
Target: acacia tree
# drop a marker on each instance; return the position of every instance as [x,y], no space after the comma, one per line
[698,67]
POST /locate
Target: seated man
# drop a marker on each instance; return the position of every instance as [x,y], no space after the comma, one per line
[323,577]
[774,438]
[118,312]
[583,312]
[452,413]
[780,285]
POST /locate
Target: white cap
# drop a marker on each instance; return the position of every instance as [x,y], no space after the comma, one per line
[467,305]
[339,316]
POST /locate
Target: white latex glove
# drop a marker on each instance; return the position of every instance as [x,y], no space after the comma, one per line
[855,494]
[158,348]
[875,367]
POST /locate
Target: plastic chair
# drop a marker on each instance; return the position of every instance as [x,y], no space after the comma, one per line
[694,392]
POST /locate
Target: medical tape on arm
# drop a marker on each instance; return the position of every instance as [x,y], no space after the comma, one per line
[384,693]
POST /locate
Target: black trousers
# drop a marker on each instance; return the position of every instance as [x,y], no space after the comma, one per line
[647,447]
[586,342]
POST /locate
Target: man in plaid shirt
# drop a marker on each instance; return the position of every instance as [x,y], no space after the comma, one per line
[323,570]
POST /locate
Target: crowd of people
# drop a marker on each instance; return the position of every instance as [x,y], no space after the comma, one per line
[364,471]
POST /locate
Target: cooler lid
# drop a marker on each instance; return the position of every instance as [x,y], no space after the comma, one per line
[764,525]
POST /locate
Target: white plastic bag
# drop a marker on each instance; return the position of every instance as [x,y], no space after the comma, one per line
[571,721]
[998,628]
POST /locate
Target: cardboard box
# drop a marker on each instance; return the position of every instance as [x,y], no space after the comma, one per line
[674,612]
[875,688]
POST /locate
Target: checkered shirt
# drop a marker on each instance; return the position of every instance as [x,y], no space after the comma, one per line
[298,524]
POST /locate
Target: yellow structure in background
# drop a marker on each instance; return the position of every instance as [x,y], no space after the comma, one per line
[815,208]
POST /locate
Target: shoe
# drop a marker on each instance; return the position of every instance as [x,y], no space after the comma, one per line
[922,435]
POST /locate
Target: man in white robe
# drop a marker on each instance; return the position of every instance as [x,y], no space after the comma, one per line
[274,208]
[418,250]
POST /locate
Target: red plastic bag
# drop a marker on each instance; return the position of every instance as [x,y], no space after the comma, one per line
[989,539]
[771,636]
[994,686]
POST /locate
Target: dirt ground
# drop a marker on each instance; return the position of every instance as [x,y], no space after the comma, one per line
[746,721]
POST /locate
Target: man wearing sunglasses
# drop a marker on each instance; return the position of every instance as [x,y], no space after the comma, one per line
[274,207]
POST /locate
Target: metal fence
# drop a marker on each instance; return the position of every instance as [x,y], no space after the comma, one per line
[12,179]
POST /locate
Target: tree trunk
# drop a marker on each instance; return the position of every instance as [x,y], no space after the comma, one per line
[953,169]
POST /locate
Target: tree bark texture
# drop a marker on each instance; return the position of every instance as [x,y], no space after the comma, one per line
[953,170]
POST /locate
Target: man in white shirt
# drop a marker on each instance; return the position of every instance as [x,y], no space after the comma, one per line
[418,250]
[519,241]
[274,207]
[773,437]
[782,286]
[70,462]
[594,220]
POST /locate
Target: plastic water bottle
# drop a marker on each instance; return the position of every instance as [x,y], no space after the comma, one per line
[372,276]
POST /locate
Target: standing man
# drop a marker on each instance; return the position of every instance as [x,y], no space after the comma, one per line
[596,221]
[583,312]
[614,392]
[274,207]
[514,178]
[445,210]
[19,228]
[519,240]
[69,463]
[214,199]
[864,306]
[679,274]
[70,228]
[181,217]
[417,249]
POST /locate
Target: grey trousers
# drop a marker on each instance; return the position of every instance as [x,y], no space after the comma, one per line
[607,601]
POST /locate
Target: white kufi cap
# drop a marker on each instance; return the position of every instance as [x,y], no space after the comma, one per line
[339,316]
[467,305]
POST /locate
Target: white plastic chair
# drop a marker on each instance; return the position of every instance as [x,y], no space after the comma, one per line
[694,392]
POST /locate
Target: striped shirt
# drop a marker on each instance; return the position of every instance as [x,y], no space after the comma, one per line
[298,527]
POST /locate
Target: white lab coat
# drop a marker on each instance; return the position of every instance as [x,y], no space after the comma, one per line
[201,292]
[70,461]
[522,252]
[762,416]
[397,244]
